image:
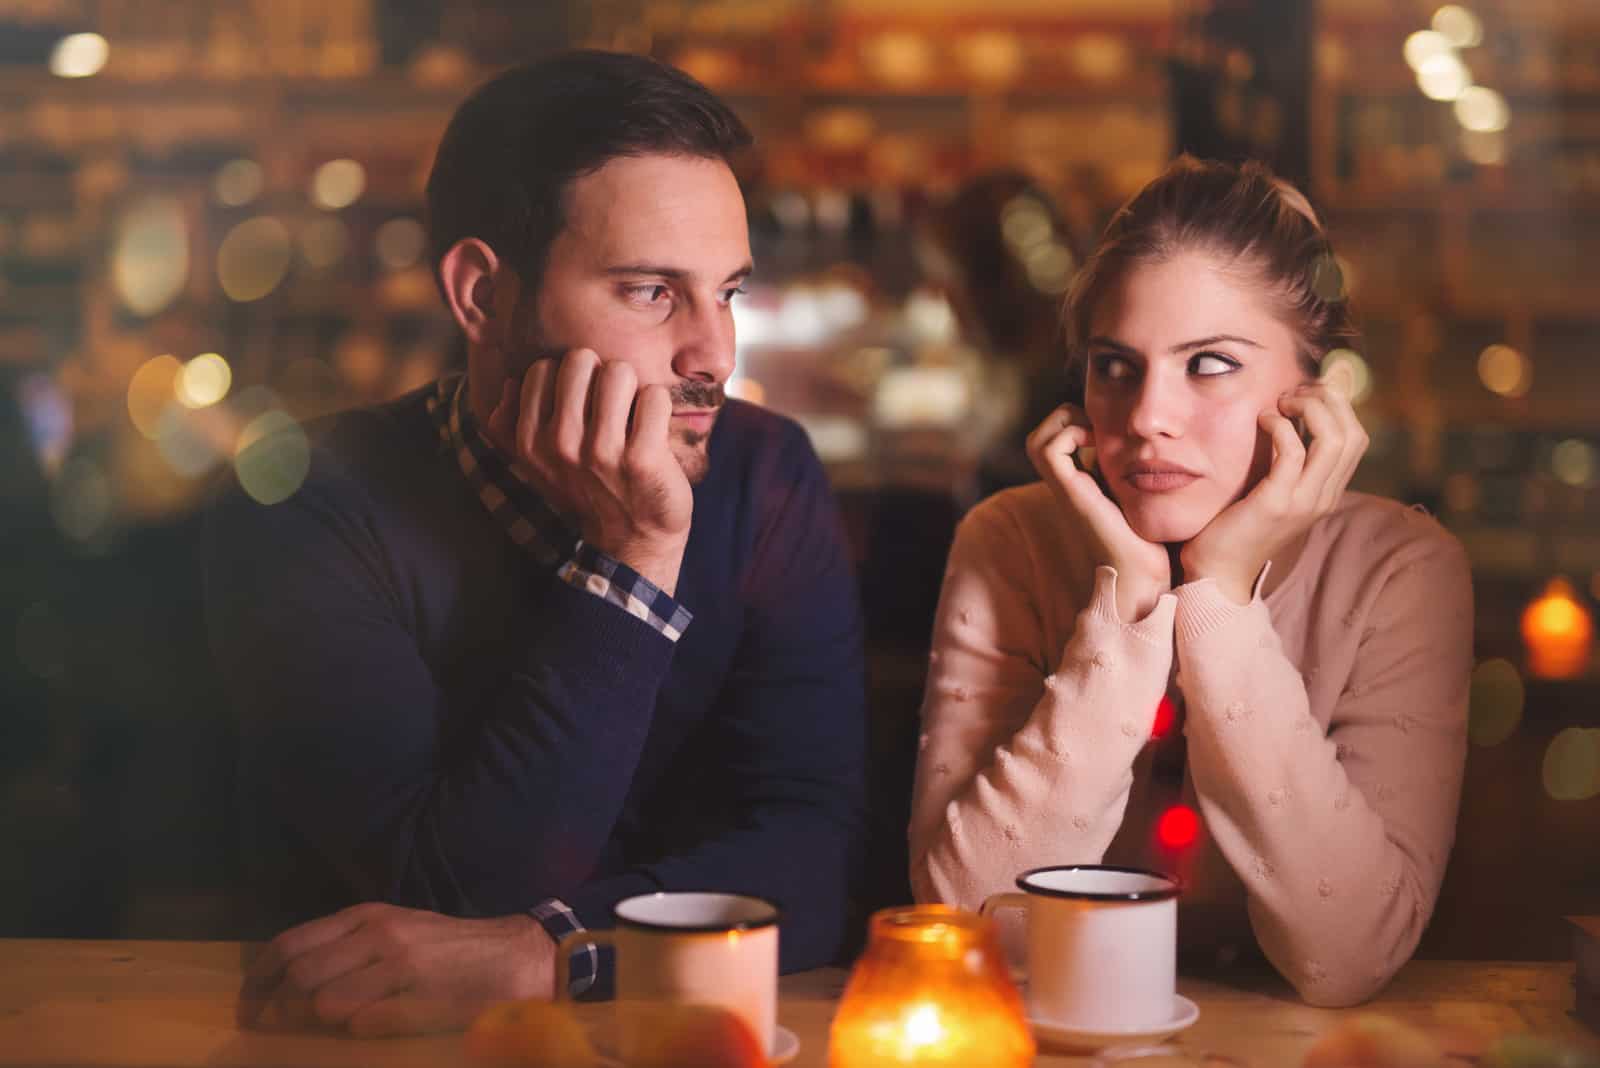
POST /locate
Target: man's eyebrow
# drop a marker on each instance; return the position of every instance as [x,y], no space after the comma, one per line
[676,274]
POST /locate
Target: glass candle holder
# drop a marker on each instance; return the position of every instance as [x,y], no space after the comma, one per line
[931,989]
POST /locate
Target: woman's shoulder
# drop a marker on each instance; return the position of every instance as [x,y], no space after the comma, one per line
[1372,534]
[1013,519]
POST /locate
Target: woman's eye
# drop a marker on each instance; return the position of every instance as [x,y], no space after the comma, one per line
[1112,368]
[1211,364]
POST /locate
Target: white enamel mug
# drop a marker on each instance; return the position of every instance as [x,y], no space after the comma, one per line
[692,948]
[1102,945]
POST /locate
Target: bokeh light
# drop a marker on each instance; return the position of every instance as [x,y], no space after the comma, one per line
[1327,279]
[1497,702]
[1572,765]
[183,442]
[1443,77]
[253,259]
[1425,45]
[1166,716]
[1505,371]
[81,500]
[273,457]
[79,55]
[323,242]
[204,381]
[1346,368]
[1482,110]
[399,243]
[900,57]
[1459,26]
[1178,827]
[150,255]
[151,391]
[1050,268]
[1486,149]
[1558,632]
[338,184]
[1574,462]
[239,182]
[994,57]
[746,389]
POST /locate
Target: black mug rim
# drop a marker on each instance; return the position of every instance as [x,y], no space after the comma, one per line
[1162,894]
[703,928]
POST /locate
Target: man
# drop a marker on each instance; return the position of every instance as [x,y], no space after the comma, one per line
[565,631]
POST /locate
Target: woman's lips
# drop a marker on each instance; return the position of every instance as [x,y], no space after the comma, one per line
[1151,478]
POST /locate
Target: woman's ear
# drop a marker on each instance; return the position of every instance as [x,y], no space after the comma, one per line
[469,274]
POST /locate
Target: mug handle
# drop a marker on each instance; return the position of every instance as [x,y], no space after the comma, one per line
[1011,900]
[569,945]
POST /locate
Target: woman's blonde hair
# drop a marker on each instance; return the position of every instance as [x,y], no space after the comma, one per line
[1243,213]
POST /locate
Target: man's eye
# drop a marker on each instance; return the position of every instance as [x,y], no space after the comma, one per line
[647,294]
[1211,364]
[729,294]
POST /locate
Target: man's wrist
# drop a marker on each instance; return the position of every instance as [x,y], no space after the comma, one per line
[655,562]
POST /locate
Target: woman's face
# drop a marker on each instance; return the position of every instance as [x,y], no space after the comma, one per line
[1182,358]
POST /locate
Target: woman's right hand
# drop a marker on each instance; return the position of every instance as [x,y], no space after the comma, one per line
[1143,570]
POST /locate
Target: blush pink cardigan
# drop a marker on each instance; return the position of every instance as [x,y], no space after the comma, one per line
[1325,729]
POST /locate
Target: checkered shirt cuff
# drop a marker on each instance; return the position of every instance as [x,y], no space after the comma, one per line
[559,921]
[616,582]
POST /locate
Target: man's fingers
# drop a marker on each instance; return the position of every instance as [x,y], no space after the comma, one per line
[338,1001]
[652,419]
[571,412]
[616,386]
[538,401]
[408,1013]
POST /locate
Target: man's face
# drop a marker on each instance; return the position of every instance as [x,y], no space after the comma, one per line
[654,249]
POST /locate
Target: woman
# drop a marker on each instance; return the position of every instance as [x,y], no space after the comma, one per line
[1316,643]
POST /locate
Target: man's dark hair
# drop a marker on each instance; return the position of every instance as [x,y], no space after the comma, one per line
[513,147]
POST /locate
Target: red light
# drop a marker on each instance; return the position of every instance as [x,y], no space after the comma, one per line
[1166,714]
[1178,827]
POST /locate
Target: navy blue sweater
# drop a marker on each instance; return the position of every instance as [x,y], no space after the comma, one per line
[430,718]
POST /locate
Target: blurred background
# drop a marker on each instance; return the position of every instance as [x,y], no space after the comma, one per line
[210,230]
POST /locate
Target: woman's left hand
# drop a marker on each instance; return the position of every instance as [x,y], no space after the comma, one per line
[1301,486]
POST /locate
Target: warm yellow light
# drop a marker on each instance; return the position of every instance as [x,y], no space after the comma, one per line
[239,182]
[1505,371]
[338,184]
[1482,110]
[273,457]
[204,381]
[323,242]
[1571,768]
[150,255]
[253,259]
[80,55]
[900,57]
[1459,26]
[932,988]
[1557,631]
[400,243]
[993,57]
[1574,462]
[1496,704]
[746,389]
[1423,46]
[1443,77]
[1485,149]
[1355,378]
[150,391]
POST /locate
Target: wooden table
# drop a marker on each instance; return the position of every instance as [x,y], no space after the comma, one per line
[170,1004]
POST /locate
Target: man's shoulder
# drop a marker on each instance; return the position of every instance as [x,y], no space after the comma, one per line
[752,444]
[393,433]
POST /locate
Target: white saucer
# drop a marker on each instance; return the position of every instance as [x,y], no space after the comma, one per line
[1062,1036]
[785,1044]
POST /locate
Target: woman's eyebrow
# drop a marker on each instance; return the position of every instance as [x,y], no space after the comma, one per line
[1200,343]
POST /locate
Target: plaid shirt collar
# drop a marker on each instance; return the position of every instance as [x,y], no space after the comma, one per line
[525,515]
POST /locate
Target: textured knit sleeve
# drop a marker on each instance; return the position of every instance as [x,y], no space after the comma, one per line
[1025,759]
[1340,838]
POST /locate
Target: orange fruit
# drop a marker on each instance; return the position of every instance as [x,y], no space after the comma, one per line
[530,1034]
[688,1036]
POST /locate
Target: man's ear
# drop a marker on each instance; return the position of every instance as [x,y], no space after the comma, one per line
[470,275]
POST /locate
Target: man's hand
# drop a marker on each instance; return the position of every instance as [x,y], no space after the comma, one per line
[1143,570]
[1301,487]
[384,970]
[597,444]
